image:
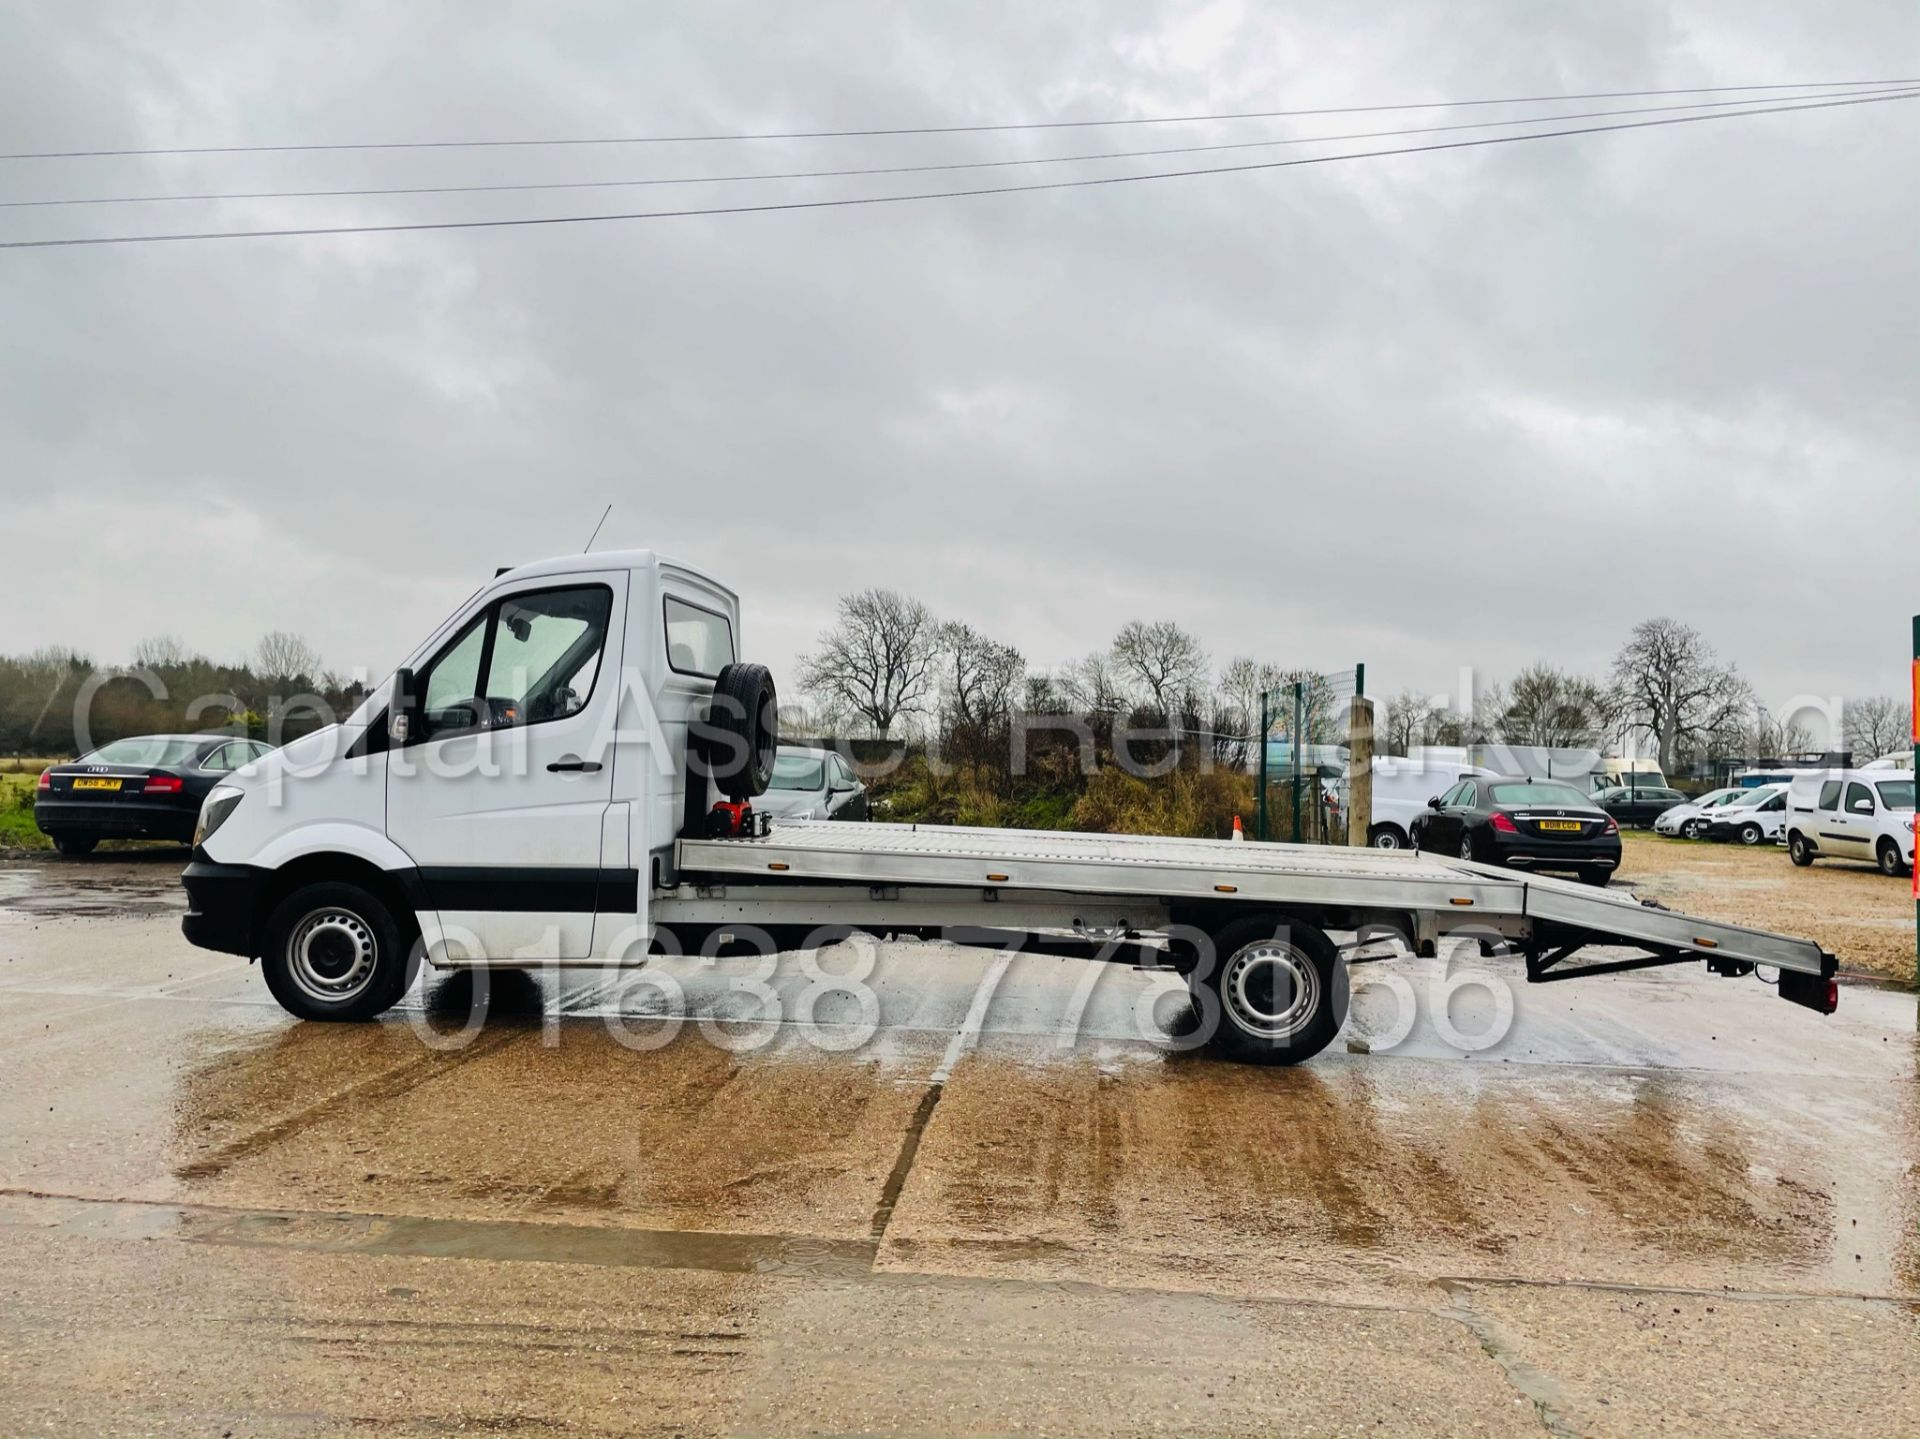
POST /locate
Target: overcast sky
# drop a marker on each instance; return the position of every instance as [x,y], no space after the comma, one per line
[1469,408]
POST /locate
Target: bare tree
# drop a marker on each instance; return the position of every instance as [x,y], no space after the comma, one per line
[980,678]
[878,659]
[1668,680]
[161,652]
[1093,684]
[1164,661]
[1877,725]
[1553,709]
[282,658]
[1408,721]
[1771,736]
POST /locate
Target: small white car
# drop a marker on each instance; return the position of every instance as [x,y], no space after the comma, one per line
[1852,814]
[1754,816]
[1689,820]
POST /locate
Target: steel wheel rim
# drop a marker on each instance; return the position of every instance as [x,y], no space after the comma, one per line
[331,955]
[1466,846]
[1386,839]
[1889,859]
[1750,835]
[1256,1015]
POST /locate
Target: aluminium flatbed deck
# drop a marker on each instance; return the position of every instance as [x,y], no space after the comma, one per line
[1450,893]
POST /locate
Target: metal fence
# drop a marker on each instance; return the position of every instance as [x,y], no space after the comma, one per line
[1303,755]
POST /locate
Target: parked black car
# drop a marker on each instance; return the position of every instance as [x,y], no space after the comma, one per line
[149,787]
[1638,805]
[1523,823]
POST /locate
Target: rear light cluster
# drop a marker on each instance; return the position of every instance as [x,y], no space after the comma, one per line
[1501,823]
[46,779]
[1613,826]
[163,784]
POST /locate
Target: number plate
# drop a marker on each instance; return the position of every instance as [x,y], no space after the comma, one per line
[1560,826]
[96,784]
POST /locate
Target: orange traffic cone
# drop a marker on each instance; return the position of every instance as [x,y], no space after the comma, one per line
[1238,832]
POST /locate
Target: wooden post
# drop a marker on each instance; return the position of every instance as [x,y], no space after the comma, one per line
[1359,771]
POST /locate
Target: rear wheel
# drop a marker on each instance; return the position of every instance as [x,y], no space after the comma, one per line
[1466,845]
[335,952]
[1751,834]
[75,845]
[1598,877]
[1386,836]
[1275,993]
[1798,850]
[1889,855]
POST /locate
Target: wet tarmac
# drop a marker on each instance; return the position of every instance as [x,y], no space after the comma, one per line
[971,1194]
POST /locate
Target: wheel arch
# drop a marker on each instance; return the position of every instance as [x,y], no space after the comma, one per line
[398,890]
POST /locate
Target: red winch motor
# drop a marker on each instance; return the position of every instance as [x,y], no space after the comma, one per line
[730,819]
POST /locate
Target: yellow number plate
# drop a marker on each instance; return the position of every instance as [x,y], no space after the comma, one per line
[96,784]
[1561,826]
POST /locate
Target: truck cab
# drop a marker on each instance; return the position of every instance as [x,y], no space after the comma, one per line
[498,799]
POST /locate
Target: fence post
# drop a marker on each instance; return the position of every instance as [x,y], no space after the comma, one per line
[1295,748]
[1260,783]
[1359,771]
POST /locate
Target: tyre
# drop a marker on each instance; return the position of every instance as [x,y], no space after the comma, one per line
[1798,850]
[74,845]
[1386,836]
[334,951]
[735,743]
[1466,845]
[1750,834]
[1694,829]
[1889,856]
[1275,991]
[1599,878]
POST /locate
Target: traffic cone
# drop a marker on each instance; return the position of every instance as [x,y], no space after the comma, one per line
[1238,832]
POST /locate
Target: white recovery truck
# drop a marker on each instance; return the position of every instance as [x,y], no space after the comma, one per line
[536,786]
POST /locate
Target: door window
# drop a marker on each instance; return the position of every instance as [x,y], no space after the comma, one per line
[1859,799]
[223,759]
[1830,794]
[1465,800]
[546,654]
[539,653]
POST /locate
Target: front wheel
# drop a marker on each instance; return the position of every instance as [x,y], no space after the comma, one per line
[1694,829]
[1799,851]
[74,845]
[1751,834]
[1275,993]
[1889,856]
[335,952]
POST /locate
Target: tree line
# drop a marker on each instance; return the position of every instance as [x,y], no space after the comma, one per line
[56,702]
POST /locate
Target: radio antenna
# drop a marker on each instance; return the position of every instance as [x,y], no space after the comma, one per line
[596,529]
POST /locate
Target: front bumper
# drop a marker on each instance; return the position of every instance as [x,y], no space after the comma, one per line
[222,903]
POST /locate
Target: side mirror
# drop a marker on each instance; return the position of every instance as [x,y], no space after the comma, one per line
[406,714]
[1433,802]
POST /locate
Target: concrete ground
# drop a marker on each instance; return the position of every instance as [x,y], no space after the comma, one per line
[1653,1203]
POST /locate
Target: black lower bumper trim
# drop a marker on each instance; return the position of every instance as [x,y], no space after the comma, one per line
[222,900]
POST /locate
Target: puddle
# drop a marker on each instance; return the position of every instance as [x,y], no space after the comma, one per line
[412,1236]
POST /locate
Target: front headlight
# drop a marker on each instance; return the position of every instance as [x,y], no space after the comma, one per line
[214,810]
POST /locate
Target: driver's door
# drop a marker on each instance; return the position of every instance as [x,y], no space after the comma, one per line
[500,802]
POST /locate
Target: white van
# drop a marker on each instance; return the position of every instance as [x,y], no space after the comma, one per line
[1401,789]
[1852,814]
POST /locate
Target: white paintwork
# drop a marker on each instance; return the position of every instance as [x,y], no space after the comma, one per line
[1838,830]
[1402,787]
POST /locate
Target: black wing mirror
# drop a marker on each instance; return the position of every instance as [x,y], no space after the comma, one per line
[1433,802]
[406,714]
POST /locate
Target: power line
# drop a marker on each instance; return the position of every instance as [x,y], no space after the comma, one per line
[947,129]
[894,169]
[854,200]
